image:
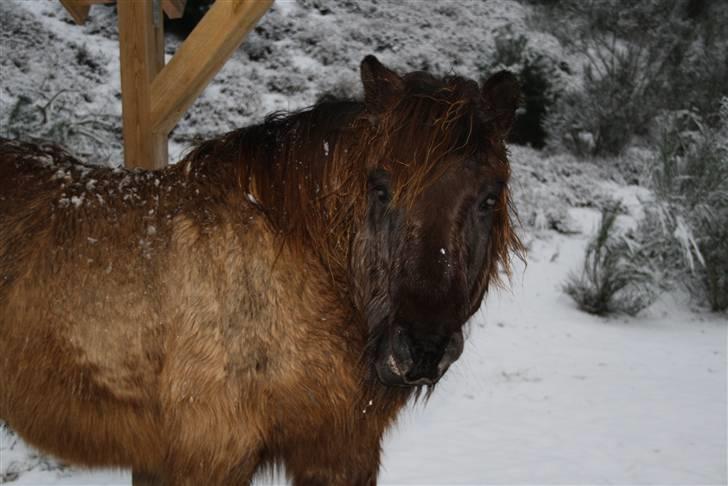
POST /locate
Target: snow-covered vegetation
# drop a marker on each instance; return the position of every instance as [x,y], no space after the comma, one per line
[610,281]
[625,115]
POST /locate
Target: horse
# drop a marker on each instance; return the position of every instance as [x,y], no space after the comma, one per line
[274,298]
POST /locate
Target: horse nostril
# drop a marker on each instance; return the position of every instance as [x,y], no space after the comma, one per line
[401,360]
[452,352]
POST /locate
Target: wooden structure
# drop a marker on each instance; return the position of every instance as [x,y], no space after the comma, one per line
[155,95]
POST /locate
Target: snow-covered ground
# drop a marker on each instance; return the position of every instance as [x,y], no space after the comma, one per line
[544,393]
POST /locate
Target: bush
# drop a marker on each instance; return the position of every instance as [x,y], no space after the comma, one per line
[685,229]
[539,76]
[617,102]
[55,119]
[641,58]
[610,281]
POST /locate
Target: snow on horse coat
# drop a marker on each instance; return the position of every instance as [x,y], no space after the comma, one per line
[274,298]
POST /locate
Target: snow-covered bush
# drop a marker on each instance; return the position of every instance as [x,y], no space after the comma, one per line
[617,101]
[540,76]
[53,118]
[611,281]
[641,58]
[545,186]
[696,43]
[685,229]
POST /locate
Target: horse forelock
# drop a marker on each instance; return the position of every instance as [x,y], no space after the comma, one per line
[434,124]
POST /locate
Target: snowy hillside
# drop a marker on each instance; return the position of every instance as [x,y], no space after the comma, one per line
[544,393]
[299,51]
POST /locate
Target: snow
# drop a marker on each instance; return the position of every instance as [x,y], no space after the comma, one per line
[369,404]
[77,201]
[286,7]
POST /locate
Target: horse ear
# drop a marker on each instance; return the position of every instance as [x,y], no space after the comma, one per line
[501,94]
[381,84]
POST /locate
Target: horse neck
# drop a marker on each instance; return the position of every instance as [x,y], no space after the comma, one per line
[307,174]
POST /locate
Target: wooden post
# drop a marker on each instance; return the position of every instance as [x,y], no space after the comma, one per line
[78,10]
[202,54]
[141,44]
[153,96]
[174,8]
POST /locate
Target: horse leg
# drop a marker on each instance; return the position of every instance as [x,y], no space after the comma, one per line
[328,480]
[218,468]
[139,478]
[333,475]
[334,462]
[240,474]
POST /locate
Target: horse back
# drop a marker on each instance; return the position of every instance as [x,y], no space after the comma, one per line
[156,310]
[113,283]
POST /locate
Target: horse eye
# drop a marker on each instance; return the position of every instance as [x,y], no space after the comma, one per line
[378,185]
[382,193]
[488,203]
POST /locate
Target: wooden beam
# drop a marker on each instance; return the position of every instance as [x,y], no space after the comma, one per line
[174,8]
[202,54]
[93,2]
[141,44]
[77,9]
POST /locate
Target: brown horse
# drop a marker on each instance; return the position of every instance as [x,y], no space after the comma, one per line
[274,298]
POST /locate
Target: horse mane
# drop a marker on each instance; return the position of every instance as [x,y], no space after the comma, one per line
[307,170]
[302,170]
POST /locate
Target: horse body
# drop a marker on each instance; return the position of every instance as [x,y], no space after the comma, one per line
[177,348]
[222,314]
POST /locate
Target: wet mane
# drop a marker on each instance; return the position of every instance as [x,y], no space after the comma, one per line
[303,170]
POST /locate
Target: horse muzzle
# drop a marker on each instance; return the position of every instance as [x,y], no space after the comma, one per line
[406,361]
